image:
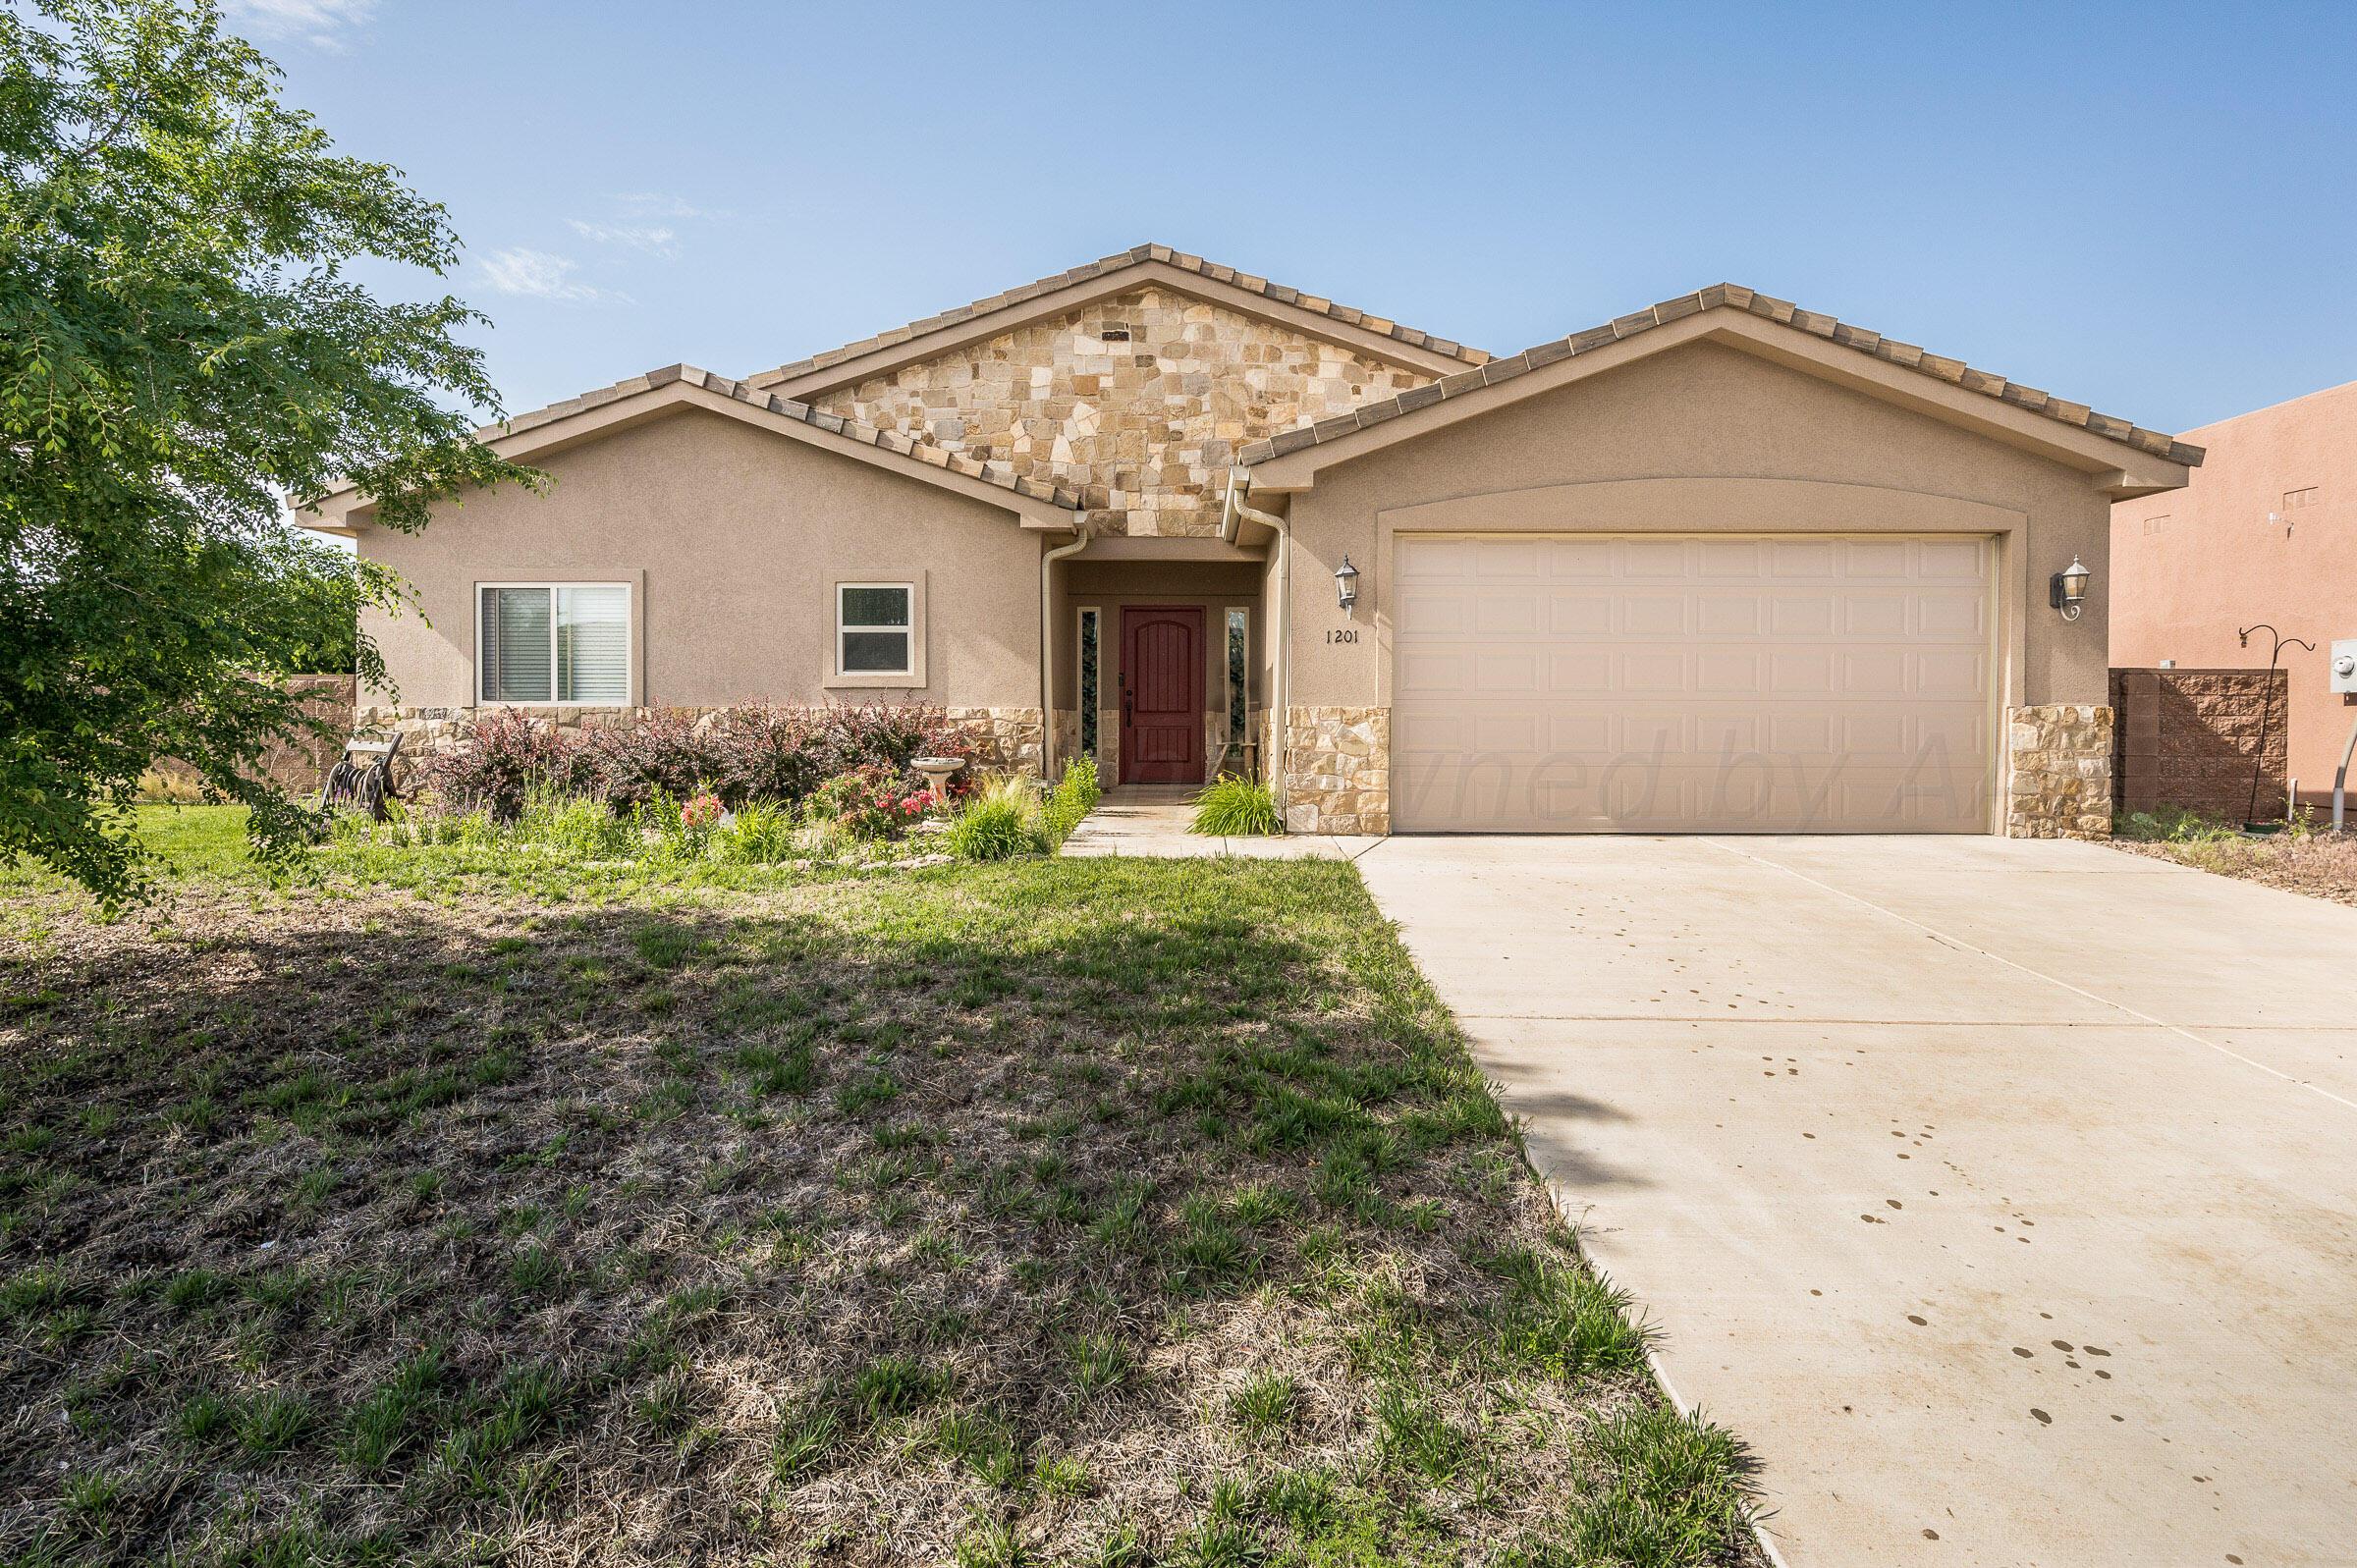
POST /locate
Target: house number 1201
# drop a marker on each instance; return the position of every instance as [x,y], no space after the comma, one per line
[1343,634]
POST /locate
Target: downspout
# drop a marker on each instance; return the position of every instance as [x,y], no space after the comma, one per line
[1047,644]
[1280,626]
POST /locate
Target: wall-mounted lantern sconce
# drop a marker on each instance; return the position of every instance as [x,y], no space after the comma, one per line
[2069,589]
[1345,584]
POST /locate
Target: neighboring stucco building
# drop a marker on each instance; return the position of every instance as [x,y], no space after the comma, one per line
[2265,532]
[1720,564]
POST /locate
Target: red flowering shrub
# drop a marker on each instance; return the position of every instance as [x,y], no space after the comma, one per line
[870,802]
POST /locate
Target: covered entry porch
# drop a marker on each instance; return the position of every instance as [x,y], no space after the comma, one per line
[1159,668]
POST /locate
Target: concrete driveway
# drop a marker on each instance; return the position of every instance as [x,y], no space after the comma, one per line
[2002,1194]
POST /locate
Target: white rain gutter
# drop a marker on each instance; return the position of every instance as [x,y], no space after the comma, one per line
[1047,644]
[1280,624]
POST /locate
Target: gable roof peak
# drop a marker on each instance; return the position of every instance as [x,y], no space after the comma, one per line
[1750,301]
[1120,261]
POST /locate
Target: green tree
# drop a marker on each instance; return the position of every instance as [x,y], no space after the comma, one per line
[181,351]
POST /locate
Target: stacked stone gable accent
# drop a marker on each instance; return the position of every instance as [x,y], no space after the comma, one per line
[2058,776]
[2189,739]
[1138,403]
[1337,769]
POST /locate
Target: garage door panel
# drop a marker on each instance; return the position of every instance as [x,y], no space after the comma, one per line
[1720,672]
[1512,561]
[1874,615]
[1601,684]
[1579,672]
[1577,560]
[1509,672]
[1961,676]
[1792,615]
[1813,559]
[1874,672]
[1863,559]
[1578,614]
[1952,616]
[1654,670]
[1724,615]
[1800,672]
[1739,559]
[1437,612]
[1951,561]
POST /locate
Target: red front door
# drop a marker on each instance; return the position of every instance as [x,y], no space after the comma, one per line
[1162,694]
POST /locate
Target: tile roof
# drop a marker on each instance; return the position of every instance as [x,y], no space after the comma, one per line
[1955,372]
[818,418]
[1119,260]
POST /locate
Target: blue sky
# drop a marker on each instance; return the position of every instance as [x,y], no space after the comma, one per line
[2142,207]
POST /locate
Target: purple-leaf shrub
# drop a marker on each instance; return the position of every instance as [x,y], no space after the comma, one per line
[755,752]
[505,757]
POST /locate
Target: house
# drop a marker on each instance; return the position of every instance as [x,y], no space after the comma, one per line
[2265,532]
[1723,564]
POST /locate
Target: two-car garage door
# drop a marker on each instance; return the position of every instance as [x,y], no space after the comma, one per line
[1655,684]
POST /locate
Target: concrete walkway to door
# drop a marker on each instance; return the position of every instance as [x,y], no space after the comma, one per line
[1151,819]
[2002,1194]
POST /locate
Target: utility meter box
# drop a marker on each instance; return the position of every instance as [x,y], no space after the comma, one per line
[2344,665]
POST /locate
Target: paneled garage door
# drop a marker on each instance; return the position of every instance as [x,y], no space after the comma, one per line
[1719,683]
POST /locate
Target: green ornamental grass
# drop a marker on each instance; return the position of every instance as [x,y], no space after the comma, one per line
[1002,821]
[1233,807]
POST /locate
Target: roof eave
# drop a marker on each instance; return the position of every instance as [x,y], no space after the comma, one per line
[675,388]
[2117,456]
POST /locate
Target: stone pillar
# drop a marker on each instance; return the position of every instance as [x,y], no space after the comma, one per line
[1004,737]
[1337,769]
[2059,771]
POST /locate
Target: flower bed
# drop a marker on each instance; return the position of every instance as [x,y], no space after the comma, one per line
[736,755]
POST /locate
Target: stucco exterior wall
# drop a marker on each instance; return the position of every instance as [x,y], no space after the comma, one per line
[2191,565]
[730,540]
[1701,439]
[1144,426]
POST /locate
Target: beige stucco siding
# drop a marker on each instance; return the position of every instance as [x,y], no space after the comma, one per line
[1702,439]
[730,538]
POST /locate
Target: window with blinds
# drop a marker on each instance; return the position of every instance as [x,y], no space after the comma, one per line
[556,643]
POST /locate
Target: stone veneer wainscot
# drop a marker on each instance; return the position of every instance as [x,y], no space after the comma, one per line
[1337,769]
[2059,771]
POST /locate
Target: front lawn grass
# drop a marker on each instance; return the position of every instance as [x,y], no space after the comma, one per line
[199,846]
[1064,1212]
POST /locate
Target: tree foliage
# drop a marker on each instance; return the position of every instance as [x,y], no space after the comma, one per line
[181,351]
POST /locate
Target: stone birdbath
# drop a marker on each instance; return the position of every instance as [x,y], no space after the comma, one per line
[938,772]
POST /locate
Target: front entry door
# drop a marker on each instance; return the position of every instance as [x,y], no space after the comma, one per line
[1162,694]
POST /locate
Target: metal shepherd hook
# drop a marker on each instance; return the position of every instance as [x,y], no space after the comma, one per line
[2266,705]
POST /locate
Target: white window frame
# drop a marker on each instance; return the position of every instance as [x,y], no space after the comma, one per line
[913,672]
[630,632]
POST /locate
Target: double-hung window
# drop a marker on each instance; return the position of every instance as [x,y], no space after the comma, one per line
[875,629]
[554,642]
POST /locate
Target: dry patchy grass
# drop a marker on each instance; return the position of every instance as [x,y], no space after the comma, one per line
[1092,1212]
[2320,864]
